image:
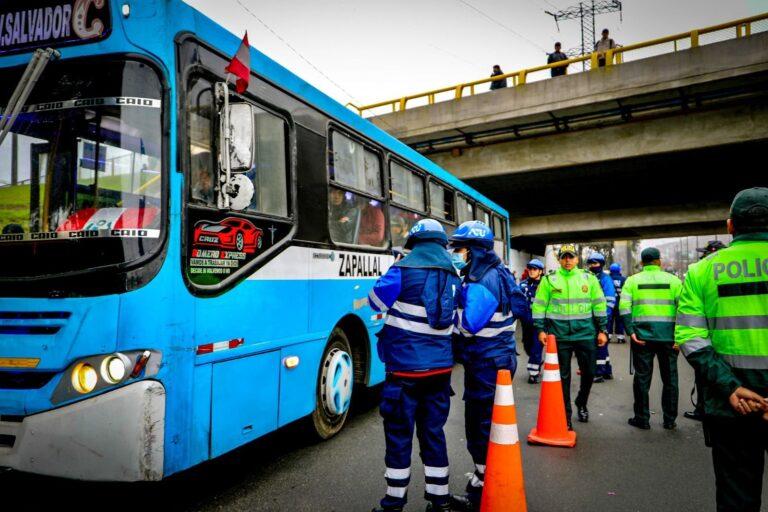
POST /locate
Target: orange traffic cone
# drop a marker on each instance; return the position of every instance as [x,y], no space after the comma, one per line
[504,489]
[551,427]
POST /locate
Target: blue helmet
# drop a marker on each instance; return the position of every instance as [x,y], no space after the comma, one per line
[615,267]
[535,263]
[472,232]
[426,229]
[596,257]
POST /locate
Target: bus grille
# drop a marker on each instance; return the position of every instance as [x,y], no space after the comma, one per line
[32,322]
[24,380]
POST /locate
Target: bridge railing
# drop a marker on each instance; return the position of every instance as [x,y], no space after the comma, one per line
[733,29]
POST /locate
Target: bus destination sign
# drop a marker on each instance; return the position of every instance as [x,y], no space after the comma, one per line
[28,24]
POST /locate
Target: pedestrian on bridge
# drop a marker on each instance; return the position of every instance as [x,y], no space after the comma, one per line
[596,264]
[602,46]
[722,330]
[534,349]
[557,56]
[418,293]
[648,304]
[501,82]
[570,304]
[488,305]
[615,324]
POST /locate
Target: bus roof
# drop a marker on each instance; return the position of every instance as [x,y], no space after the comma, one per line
[225,41]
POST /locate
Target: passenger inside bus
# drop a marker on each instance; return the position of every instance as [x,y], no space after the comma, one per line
[202,177]
[372,224]
[343,216]
[398,227]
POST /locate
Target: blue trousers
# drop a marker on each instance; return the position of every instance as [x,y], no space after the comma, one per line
[603,367]
[421,404]
[533,348]
[479,390]
[615,323]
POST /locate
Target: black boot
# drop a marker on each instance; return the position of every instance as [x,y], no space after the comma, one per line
[694,415]
[462,502]
[599,379]
[533,379]
[583,413]
[638,423]
[445,507]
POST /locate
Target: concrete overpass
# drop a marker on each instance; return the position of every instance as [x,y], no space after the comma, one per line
[653,147]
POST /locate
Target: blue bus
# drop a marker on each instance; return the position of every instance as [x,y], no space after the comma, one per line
[184,268]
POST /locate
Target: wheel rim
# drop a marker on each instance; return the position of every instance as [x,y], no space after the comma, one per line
[239,241]
[337,382]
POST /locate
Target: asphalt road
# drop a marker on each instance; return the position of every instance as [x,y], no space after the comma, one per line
[613,468]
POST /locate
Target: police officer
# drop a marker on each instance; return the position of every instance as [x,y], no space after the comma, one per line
[615,325]
[648,303]
[722,321]
[697,414]
[488,305]
[417,293]
[570,304]
[534,349]
[595,264]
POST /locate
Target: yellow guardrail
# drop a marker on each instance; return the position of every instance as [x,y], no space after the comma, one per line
[743,28]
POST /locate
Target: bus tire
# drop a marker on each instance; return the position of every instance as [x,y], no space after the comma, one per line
[335,380]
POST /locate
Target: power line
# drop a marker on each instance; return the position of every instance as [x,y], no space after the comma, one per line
[302,57]
[502,25]
[294,50]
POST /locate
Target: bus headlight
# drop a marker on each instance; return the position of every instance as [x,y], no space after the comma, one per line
[113,369]
[84,378]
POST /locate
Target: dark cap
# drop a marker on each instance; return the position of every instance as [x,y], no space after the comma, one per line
[650,254]
[566,249]
[712,246]
[749,210]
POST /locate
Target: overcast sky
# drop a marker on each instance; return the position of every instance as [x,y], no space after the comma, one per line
[376,50]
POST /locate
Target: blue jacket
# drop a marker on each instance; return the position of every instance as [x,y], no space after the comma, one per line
[606,283]
[418,293]
[529,287]
[618,284]
[488,306]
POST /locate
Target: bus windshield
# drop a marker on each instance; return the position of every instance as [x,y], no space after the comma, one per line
[81,175]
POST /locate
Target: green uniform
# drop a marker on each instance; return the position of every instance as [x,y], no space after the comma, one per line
[722,329]
[570,304]
[648,305]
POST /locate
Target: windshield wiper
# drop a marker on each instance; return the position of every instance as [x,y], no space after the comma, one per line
[28,81]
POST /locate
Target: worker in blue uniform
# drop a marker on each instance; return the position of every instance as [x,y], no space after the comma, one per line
[595,263]
[488,305]
[616,325]
[531,344]
[418,293]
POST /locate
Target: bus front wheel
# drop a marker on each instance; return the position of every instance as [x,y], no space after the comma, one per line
[334,387]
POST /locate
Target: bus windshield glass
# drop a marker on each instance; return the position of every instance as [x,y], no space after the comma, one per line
[81,172]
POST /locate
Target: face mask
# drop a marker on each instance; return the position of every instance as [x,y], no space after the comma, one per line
[596,270]
[458,260]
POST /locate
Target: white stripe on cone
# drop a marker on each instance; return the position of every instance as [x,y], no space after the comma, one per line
[504,434]
[504,395]
[551,376]
[551,359]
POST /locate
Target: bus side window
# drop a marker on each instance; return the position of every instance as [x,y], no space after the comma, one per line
[355,203]
[465,210]
[200,115]
[269,173]
[499,244]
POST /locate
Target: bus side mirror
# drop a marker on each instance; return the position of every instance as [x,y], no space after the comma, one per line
[237,144]
[241,137]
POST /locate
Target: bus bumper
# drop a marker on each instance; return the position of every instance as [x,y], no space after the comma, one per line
[117,436]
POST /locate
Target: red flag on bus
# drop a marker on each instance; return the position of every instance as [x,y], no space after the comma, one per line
[240,65]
